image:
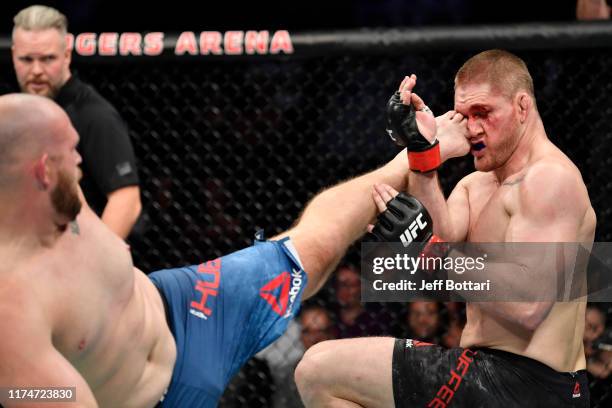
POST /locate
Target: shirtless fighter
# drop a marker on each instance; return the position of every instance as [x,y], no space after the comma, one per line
[75,312]
[524,189]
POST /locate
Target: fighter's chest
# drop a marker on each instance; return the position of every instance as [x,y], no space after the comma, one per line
[491,211]
[98,259]
[93,277]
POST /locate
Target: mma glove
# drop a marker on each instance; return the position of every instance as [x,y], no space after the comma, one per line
[406,220]
[423,156]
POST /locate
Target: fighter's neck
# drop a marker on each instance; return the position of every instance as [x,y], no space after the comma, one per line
[530,142]
[25,227]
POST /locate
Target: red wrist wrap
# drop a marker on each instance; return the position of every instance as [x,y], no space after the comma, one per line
[425,161]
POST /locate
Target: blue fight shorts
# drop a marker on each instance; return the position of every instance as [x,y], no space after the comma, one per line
[224,311]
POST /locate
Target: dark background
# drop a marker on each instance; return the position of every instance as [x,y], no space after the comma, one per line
[112,15]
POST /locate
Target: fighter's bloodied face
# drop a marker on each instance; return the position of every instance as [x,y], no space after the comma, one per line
[41,61]
[493,125]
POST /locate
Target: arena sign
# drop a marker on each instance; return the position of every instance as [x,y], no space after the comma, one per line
[186,43]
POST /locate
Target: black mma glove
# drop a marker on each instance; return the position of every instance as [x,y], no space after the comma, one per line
[423,156]
[407,220]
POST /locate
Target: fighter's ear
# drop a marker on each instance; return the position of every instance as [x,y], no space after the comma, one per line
[42,173]
[524,104]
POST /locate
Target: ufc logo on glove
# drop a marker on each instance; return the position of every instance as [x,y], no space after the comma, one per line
[411,232]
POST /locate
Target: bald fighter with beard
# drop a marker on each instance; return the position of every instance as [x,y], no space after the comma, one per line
[75,312]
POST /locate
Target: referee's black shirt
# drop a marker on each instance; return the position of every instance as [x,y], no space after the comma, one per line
[108,156]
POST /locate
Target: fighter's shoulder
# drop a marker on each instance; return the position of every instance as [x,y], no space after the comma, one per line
[556,173]
[21,314]
[26,295]
[18,266]
[26,338]
[554,181]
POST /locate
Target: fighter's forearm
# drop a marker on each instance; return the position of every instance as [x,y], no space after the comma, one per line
[426,188]
[521,291]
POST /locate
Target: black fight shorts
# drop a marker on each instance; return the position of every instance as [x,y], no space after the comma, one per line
[426,375]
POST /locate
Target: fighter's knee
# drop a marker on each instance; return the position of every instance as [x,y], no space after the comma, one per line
[306,370]
[303,375]
[310,373]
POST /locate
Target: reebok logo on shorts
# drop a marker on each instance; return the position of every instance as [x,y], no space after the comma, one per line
[281,292]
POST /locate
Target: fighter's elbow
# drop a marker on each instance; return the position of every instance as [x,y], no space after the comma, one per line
[533,314]
[531,322]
